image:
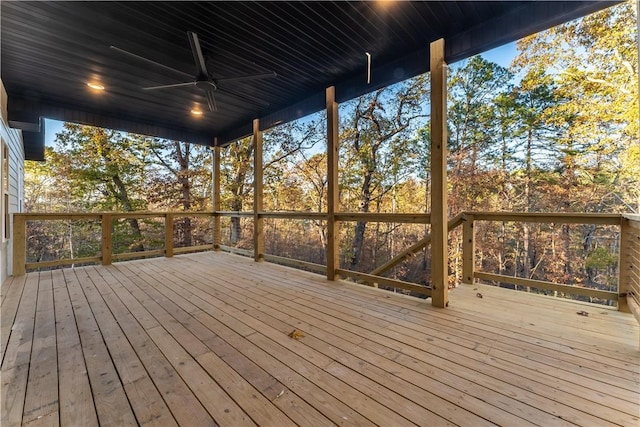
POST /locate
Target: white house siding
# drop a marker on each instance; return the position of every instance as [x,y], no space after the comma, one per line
[13,140]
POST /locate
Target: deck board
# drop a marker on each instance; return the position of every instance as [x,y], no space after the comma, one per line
[111,403]
[76,398]
[41,398]
[17,354]
[203,339]
[411,340]
[11,294]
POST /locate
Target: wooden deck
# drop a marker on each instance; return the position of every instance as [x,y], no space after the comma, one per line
[204,339]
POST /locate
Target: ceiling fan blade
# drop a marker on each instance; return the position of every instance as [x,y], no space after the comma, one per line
[248,77]
[157,64]
[244,97]
[211,100]
[197,54]
[169,86]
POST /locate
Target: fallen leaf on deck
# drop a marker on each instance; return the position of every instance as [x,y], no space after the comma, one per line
[296,334]
[582,313]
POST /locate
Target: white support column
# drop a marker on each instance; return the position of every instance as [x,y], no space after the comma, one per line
[439,249]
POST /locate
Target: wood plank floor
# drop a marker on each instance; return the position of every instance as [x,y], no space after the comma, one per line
[216,339]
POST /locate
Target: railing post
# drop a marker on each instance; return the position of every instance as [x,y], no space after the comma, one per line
[107,245]
[168,235]
[623,265]
[333,252]
[468,249]
[19,245]
[258,221]
[216,196]
[439,235]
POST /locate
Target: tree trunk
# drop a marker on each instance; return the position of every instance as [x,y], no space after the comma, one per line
[183,159]
[236,227]
[241,152]
[526,233]
[358,235]
[123,197]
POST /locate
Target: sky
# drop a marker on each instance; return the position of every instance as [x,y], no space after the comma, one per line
[502,56]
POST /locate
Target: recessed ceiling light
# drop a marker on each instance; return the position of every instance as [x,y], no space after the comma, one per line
[196,112]
[95,86]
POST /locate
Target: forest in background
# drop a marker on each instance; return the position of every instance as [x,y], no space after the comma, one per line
[557,131]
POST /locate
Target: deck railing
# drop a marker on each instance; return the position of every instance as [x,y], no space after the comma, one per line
[105,222]
[470,272]
[630,263]
[627,296]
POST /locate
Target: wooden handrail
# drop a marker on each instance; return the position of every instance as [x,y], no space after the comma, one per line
[233,214]
[548,217]
[541,284]
[106,247]
[626,222]
[628,295]
[293,215]
[296,263]
[371,279]
[419,245]
[404,218]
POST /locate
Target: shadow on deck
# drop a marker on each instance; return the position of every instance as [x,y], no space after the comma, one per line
[216,339]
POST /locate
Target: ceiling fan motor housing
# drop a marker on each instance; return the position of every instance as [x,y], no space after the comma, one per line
[203,83]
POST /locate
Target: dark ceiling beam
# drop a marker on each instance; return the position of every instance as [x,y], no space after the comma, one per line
[32,137]
[33,143]
[27,113]
[25,126]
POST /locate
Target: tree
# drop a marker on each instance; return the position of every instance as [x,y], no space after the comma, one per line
[595,63]
[376,148]
[285,148]
[235,168]
[46,184]
[106,171]
[46,190]
[179,168]
[591,120]
[474,125]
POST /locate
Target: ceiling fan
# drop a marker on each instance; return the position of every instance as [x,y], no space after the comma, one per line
[203,79]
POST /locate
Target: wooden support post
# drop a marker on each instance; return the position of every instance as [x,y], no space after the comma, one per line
[107,245]
[333,226]
[468,249]
[168,235]
[216,197]
[439,249]
[623,265]
[258,221]
[19,245]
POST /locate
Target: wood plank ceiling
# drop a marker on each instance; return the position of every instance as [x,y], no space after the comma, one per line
[50,50]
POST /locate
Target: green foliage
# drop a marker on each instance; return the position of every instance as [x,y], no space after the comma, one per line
[600,259]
